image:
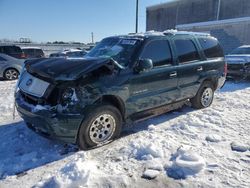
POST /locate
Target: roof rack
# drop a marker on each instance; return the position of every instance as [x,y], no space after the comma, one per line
[176,32]
[167,32]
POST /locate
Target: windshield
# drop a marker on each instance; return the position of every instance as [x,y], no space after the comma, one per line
[241,51]
[120,49]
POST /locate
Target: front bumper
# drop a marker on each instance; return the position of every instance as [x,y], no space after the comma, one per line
[238,73]
[49,123]
[221,82]
[238,70]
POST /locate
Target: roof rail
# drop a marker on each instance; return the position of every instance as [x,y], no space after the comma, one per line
[167,32]
[176,32]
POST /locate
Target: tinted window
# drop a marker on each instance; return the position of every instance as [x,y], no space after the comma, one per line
[83,53]
[211,47]
[159,51]
[73,54]
[186,50]
[38,52]
[28,51]
[12,49]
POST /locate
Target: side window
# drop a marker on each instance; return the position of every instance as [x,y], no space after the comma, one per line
[186,50]
[39,52]
[12,50]
[211,47]
[159,51]
[29,51]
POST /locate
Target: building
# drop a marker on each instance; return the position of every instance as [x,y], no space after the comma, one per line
[227,20]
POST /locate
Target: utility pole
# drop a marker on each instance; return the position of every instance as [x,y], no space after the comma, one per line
[136,21]
[92,37]
[218,10]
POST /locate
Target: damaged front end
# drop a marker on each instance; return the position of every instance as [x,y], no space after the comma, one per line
[53,104]
[238,66]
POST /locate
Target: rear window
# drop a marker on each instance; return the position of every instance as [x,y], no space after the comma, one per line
[186,50]
[38,52]
[211,47]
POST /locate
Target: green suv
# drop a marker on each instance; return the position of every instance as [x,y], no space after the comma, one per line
[123,79]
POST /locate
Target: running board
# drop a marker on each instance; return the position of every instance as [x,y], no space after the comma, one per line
[147,114]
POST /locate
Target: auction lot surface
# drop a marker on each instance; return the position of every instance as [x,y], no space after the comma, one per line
[185,148]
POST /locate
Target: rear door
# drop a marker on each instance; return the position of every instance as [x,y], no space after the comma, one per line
[159,85]
[190,66]
[214,63]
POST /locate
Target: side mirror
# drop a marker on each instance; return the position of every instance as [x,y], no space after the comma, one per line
[143,65]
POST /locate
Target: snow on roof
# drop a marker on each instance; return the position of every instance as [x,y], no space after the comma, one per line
[167,32]
[72,50]
[148,33]
[29,47]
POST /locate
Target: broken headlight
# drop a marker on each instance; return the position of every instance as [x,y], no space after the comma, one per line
[68,94]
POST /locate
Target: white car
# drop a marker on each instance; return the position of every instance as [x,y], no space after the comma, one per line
[10,67]
[72,53]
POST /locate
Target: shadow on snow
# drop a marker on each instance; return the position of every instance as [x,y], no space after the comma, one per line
[22,150]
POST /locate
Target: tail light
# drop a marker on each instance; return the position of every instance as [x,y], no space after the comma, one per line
[225,69]
[23,56]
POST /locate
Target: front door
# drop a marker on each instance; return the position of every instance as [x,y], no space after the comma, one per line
[159,85]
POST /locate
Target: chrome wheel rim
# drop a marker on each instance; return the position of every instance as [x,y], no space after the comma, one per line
[102,128]
[207,97]
[11,74]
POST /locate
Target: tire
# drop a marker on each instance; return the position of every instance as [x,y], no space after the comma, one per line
[204,97]
[102,124]
[11,74]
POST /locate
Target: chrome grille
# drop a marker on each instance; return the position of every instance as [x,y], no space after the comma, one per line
[32,85]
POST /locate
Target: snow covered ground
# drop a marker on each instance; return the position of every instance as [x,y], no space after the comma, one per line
[185,148]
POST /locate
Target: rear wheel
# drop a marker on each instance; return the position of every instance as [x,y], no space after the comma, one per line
[204,97]
[11,74]
[102,124]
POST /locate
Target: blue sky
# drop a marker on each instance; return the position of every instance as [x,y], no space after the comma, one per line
[70,20]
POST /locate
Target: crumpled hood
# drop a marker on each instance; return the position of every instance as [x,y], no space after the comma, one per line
[64,69]
[238,59]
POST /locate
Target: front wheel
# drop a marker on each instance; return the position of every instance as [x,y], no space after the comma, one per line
[102,124]
[204,97]
[11,74]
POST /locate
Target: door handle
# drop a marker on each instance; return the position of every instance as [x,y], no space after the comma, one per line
[200,68]
[173,74]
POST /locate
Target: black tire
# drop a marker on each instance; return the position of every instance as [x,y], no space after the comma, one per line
[198,101]
[86,135]
[11,74]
